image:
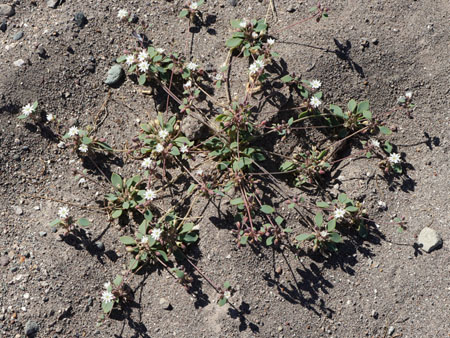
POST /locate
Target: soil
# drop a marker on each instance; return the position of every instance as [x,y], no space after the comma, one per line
[384,285]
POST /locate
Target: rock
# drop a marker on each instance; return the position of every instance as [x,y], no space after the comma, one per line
[290,9]
[31,328]
[114,75]
[391,330]
[165,305]
[3,26]
[90,67]
[4,260]
[233,2]
[375,41]
[364,42]
[17,210]
[41,52]
[374,314]
[7,10]
[42,233]
[429,239]
[18,35]
[19,63]
[193,129]
[99,245]
[80,19]
[52,3]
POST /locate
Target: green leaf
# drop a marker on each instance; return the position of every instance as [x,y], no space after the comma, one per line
[127,240]
[336,110]
[388,147]
[226,285]
[116,213]
[34,105]
[191,188]
[183,13]
[321,204]
[287,230]
[175,151]
[267,209]
[55,222]
[352,208]
[304,237]
[142,79]
[384,130]
[269,240]
[243,240]
[107,307]
[143,227]
[118,280]
[121,58]
[126,205]
[368,115]
[83,222]
[234,42]
[335,237]
[187,227]
[318,219]
[116,181]
[363,106]
[237,201]
[331,225]
[148,215]
[279,220]
[286,78]
[178,273]
[342,198]
[235,23]
[24,117]
[133,264]
[222,301]
[86,140]
[351,105]
[163,255]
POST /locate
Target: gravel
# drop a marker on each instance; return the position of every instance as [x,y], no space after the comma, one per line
[7,10]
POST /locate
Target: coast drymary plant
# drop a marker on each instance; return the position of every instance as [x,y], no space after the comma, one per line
[67,222]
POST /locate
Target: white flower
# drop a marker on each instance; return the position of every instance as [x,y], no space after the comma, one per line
[159,148]
[27,110]
[193,6]
[374,143]
[315,84]
[270,41]
[144,239]
[73,131]
[143,55]
[83,148]
[107,285]
[156,233]
[199,172]
[260,63]
[394,158]
[243,24]
[184,148]
[255,35]
[130,59]
[218,77]
[123,13]
[107,297]
[339,213]
[147,163]
[408,95]
[163,134]
[253,69]
[143,66]
[160,50]
[192,66]
[149,195]
[324,234]
[315,102]
[227,294]
[187,85]
[63,212]
[50,117]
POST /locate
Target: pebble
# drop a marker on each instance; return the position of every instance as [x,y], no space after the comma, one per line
[3,26]
[42,233]
[233,2]
[80,19]
[374,314]
[41,52]
[31,328]
[99,245]
[52,3]
[429,239]
[16,157]
[291,9]
[17,210]
[14,269]
[19,63]
[18,35]
[114,75]
[375,41]
[391,330]
[164,304]
[193,129]
[7,10]
[4,260]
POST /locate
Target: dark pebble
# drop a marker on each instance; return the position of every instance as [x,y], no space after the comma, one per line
[291,9]
[41,52]
[3,26]
[18,36]
[80,19]
[16,157]
[54,229]
[233,2]
[134,18]
[90,68]
[14,269]
[99,245]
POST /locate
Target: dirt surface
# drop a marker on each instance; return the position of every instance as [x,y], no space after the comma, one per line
[382,286]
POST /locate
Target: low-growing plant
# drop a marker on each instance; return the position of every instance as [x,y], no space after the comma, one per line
[67,222]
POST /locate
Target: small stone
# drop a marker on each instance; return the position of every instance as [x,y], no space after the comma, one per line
[280,328]
[391,330]
[31,328]
[53,229]
[374,314]
[290,9]
[4,260]
[193,129]
[114,75]
[429,239]
[278,270]
[14,269]
[99,245]
[7,10]
[375,41]
[18,35]
[364,42]
[19,63]
[80,19]
[42,233]
[17,210]
[41,52]
[52,3]
[165,305]
[3,26]
[90,67]
[233,2]
[16,157]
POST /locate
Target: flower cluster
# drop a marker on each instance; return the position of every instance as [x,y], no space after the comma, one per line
[256,67]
